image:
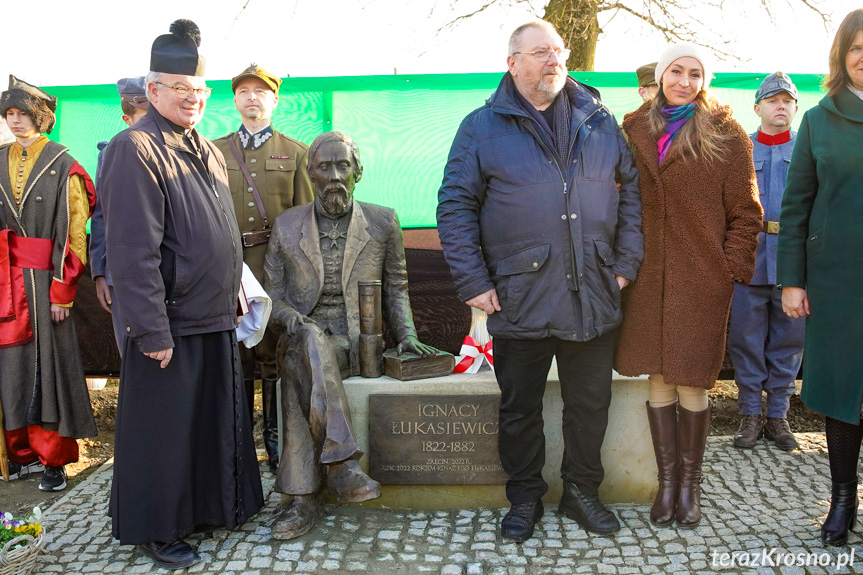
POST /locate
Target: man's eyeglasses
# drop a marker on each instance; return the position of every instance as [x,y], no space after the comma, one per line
[543,54]
[186,91]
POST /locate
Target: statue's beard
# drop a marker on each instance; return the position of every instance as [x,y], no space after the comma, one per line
[336,202]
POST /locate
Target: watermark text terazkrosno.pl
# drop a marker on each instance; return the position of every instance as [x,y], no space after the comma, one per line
[775,557]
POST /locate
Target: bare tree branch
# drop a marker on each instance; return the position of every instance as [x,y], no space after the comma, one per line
[675,29]
[675,20]
[237,17]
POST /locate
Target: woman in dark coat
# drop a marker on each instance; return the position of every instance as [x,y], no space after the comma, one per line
[701,218]
[819,265]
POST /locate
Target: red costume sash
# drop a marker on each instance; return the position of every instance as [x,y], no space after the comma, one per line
[16,254]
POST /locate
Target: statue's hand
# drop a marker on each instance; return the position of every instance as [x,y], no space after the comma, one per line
[412,344]
[293,321]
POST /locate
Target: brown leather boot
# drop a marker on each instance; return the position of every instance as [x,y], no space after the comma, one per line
[778,431]
[663,430]
[692,430]
[750,429]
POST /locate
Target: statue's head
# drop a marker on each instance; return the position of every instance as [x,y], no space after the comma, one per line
[334,168]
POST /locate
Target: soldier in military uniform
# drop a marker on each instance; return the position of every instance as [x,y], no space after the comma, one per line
[267,175]
[765,345]
[647,87]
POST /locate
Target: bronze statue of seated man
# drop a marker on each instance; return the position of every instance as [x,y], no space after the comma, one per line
[317,254]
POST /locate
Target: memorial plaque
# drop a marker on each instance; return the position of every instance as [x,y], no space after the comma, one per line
[434,439]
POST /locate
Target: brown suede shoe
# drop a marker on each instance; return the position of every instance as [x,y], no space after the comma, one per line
[776,429]
[749,431]
[349,484]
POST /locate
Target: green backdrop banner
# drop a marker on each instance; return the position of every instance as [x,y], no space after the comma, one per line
[404,125]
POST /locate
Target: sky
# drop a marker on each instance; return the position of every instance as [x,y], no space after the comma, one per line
[99,41]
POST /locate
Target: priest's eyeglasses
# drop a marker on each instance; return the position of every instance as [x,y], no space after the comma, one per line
[185,91]
[543,54]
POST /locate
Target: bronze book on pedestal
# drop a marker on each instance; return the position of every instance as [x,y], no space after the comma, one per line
[409,366]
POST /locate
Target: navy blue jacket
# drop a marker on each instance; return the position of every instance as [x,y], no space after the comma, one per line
[548,233]
[98,259]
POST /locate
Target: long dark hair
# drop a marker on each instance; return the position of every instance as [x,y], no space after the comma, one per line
[698,137]
[837,78]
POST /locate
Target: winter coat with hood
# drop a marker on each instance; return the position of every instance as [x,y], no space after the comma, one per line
[548,233]
[701,225]
[820,248]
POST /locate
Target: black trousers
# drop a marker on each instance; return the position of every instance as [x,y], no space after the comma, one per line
[584,368]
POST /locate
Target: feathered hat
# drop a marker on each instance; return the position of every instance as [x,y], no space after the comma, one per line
[177,52]
[37,103]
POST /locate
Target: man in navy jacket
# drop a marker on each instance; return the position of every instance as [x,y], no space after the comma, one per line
[539,217]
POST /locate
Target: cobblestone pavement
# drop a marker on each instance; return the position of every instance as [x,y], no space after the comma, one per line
[754,500]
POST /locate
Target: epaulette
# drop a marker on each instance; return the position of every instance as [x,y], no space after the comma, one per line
[292,140]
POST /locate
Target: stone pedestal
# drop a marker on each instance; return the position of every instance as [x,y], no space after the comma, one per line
[627,454]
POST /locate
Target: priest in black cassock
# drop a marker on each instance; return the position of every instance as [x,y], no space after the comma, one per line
[184,454]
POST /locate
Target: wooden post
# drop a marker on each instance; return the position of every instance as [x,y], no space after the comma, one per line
[4,462]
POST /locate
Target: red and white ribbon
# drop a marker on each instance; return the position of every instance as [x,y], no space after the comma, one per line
[472,355]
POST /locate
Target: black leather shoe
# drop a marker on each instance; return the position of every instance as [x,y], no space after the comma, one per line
[842,516]
[519,522]
[170,556]
[587,510]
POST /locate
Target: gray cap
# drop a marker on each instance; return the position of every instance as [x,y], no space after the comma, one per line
[133,91]
[775,83]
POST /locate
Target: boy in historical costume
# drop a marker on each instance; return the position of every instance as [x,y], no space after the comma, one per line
[765,345]
[45,200]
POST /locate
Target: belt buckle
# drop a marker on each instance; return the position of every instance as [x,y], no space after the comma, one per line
[772,227]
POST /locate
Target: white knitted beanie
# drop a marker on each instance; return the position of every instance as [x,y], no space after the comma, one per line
[682,50]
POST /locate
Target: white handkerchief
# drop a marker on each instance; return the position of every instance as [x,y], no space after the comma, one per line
[251,328]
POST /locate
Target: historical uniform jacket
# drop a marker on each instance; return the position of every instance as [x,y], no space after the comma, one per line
[45,200]
[374,250]
[278,166]
[771,168]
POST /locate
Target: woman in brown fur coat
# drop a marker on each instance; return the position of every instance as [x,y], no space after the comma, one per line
[701,218]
